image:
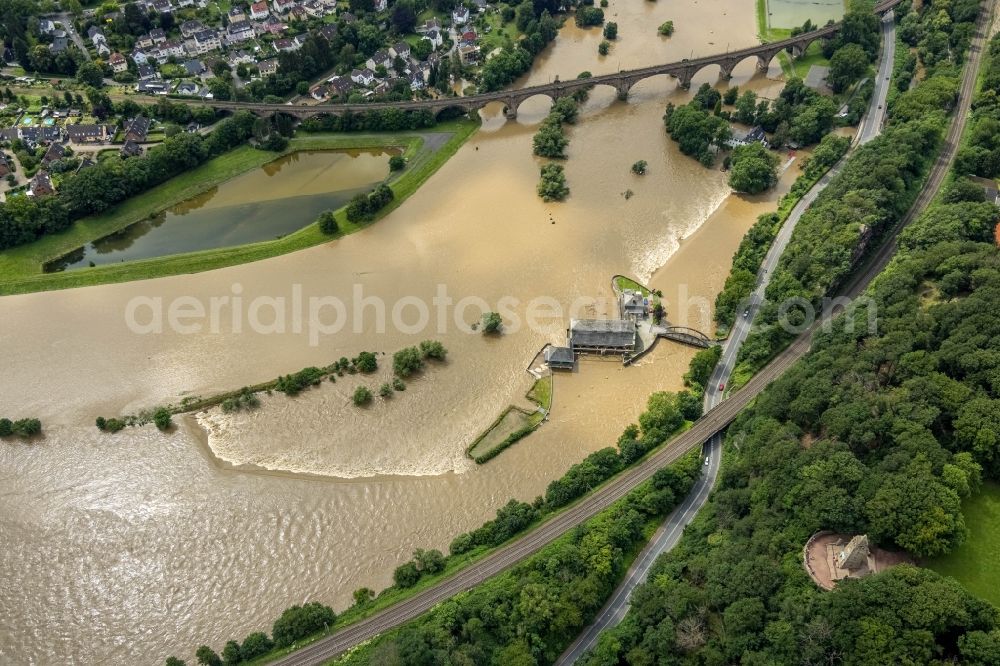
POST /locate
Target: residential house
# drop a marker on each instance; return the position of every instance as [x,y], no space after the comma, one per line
[340,86]
[328,32]
[45,26]
[319,92]
[755,135]
[194,67]
[152,87]
[314,9]
[460,15]
[417,81]
[158,35]
[400,50]
[480,5]
[238,32]
[363,77]
[59,44]
[41,185]
[286,45]
[235,58]
[187,88]
[269,66]
[144,41]
[429,24]
[348,17]
[272,26]
[468,54]
[237,14]
[259,10]
[103,50]
[469,38]
[43,135]
[297,13]
[379,58]
[118,62]
[434,37]
[162,6]
[282,6]
[301,38]
[147,72]
[188,28]
[136,129]
[206,40]
[54,152]
[140,57]
[130,149]
[186,3]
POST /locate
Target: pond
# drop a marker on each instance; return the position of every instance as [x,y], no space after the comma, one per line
[272,201]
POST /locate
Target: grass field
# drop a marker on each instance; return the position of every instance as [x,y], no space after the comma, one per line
[976,563]
[21,267]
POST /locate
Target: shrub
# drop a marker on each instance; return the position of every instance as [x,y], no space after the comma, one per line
[366,362]
[666,28]
[255,645]
[293,384]
[398,384]
[611,31]
[604,47]
[328,223]
[396,163]
[362,396]
[407,361]
[639,168]
[161,417]
[588,16]
[298,622]
[7,427]
[433,349]
[492,322]
[406,575]
[363,595]
[385,390]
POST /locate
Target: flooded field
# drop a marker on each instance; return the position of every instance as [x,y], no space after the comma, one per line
[793,13]
[133,546]
[276,199]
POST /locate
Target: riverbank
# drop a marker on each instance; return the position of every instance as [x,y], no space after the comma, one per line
[21,269]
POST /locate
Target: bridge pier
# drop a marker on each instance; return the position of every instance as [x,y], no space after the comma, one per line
[726,70]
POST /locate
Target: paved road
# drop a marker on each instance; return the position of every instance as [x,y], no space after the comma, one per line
[669,534]
[67,23]
[873,120]
[702,431]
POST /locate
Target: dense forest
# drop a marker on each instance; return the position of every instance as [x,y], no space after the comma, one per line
[873,191]
[877,432]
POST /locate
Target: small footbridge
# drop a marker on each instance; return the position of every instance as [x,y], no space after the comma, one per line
[684,335]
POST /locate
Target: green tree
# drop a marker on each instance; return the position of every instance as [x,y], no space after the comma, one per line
[753,169]
[846,66]
[362,396]
[397,163]
[206,656]
[611,30]
[299,622]
[406,575]
[407,361]
[666,28]
[89,74]
[162,419]
[255,645]
[366,362]
[492,322]
[639,168]
[231,653]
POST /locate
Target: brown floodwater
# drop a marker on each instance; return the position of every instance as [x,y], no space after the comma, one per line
[134,546]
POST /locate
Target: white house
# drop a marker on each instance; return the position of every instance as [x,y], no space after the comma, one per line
[434,37]
[460,15]
[259,10]
[363,77]
[118,62]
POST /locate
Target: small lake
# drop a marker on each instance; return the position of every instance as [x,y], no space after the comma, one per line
[272,201]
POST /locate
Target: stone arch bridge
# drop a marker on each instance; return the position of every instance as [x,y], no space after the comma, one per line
[684,71]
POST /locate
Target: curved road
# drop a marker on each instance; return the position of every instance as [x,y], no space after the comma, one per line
[670,532]
[702,431]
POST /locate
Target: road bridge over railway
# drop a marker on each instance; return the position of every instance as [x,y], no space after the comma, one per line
[623,81]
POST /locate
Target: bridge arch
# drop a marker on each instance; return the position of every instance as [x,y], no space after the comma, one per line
[450,111]
[517,102]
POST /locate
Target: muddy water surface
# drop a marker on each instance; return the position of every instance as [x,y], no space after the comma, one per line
[133,546]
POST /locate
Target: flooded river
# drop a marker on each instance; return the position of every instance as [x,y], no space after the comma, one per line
[130,547]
